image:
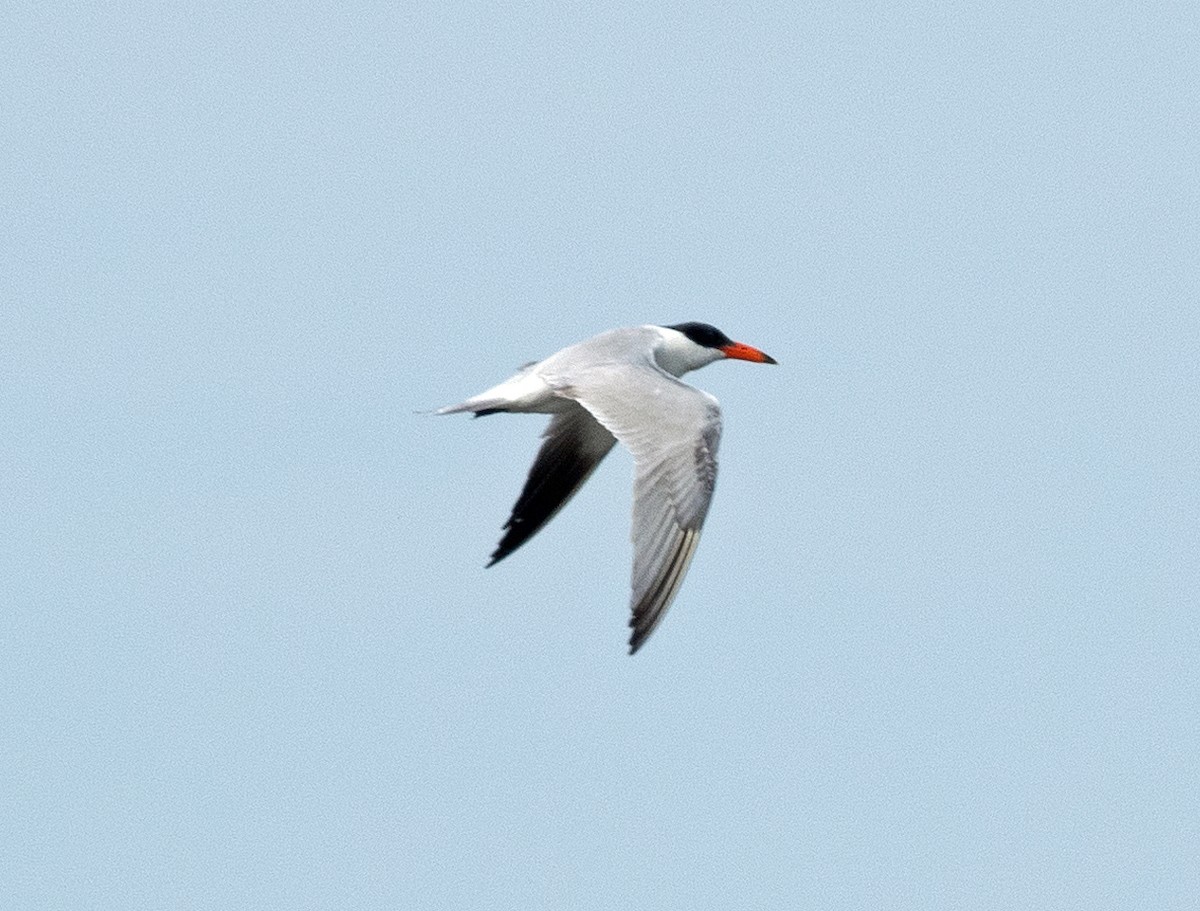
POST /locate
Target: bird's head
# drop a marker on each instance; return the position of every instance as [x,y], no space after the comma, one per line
[689,346]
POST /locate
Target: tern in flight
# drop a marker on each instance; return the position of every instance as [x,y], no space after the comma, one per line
[624,385]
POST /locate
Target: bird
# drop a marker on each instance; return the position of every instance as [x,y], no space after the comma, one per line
[624,385]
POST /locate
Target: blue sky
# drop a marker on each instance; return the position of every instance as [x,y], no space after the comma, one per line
[938,648]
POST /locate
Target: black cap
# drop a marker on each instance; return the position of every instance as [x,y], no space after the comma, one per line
[703,334]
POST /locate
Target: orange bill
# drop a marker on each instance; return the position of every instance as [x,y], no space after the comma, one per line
[740,352]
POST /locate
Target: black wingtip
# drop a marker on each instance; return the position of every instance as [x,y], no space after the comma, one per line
[637,638]
[516,533]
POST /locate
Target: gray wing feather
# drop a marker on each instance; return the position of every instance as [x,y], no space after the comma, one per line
[673,431]
[573,445]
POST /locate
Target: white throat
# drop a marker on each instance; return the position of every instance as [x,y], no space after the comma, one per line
[677,354]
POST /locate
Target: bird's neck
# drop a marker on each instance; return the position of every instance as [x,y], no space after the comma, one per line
[677,354]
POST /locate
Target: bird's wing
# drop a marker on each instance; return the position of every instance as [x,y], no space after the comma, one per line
[673,431]
[574,444]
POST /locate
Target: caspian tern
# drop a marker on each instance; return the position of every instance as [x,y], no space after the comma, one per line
[623,385]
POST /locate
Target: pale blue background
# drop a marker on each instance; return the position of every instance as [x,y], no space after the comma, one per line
[939,647]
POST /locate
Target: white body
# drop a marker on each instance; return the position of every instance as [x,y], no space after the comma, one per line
[531,389]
